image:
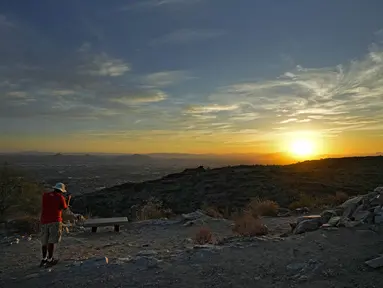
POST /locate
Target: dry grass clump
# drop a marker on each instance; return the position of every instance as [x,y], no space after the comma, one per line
[260,207]
[247,224]
[204,236]
[340,197]
[211,211]
[26,224]
[153,209]
[319,201]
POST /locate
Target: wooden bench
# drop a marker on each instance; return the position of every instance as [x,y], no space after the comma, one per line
[102,222]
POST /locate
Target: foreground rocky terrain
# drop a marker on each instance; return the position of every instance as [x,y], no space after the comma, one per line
[331,249]
[230,188]
[161,253]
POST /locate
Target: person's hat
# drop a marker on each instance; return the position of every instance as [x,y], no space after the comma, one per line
[60,187]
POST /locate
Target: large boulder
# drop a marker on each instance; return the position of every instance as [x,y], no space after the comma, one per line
[327,215]
[351,205]
[307,226]
[334,221]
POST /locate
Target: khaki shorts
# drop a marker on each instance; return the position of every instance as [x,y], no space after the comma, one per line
[51,233]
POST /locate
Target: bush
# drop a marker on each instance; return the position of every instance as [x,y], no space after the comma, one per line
[322,201]
[340,197]
[263,207]
[247,224]
[153,209]
[26,224]
[211,211]
[204,236]
[18,195]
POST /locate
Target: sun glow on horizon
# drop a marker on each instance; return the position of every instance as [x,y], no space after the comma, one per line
[302,148]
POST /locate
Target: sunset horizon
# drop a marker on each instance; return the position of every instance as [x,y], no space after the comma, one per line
[197,77]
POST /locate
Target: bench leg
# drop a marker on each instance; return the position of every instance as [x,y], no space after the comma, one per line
[116,228]
[94,229]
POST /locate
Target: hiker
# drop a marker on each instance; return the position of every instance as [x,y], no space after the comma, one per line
[53,203]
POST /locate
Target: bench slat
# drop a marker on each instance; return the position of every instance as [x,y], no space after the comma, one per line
[105,222]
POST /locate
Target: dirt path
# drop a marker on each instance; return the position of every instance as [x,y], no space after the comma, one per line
[318,259]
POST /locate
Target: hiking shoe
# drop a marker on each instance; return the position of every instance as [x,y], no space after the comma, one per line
[43,263]
[51,262]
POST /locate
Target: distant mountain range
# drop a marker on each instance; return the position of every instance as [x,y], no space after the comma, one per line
[166,159]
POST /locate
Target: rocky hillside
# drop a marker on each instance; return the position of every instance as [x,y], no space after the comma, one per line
[230,188]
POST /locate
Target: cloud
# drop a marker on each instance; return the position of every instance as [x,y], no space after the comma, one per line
[210,109]
[186,36]
[104,65]
[332,100]
[17,94]
[165,78]
[134,99]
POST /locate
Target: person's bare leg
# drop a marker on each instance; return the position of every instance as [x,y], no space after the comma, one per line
[44,250]
[51,248]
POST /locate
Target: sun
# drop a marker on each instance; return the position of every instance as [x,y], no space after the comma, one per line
[302,148]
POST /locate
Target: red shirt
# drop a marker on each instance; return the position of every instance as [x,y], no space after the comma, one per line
[52,206]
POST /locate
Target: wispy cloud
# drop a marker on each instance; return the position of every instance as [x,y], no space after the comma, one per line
[150,97]
[104,65]
[210,108]
[185,36]
[165,78]
[332,100]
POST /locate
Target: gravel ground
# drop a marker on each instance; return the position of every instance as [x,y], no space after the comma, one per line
[322,258]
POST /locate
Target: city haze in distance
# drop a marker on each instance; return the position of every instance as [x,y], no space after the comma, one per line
[249,80]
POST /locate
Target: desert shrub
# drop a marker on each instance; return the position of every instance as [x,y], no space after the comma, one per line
[260,207]
[153,209]
[308,201]
[26,224]
[340,197]
[204,236]
[18,194]
[319,201]
[211,211]
[246,224]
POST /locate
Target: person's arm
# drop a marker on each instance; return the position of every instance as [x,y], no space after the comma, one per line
[69,197]
[64,205]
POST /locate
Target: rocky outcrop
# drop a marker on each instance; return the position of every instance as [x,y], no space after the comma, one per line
[363,209]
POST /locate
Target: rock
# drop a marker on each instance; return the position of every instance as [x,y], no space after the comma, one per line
[307,226]
[207,246]
[327,215]
[334,221]
[375,263]
[141,261]
[351,205]
[352,201]
[352,224]
[188,224]
[146,262]
[378,189]
[194,215]
[303,210]
[309,217]
[378,219]
[283,212]
[124,259]
[97,261]
[360,215]
[147,253]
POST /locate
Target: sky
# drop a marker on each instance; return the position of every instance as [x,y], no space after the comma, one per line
[191,76]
